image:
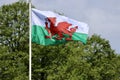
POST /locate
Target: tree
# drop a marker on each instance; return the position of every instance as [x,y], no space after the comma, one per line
[75,61]
[14,26]
[104,61]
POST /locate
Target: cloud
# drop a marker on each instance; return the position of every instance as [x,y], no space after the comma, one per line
[106,24]
[5,2]
[103,20]
[69,6]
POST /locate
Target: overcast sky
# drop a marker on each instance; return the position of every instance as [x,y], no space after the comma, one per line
[102,16]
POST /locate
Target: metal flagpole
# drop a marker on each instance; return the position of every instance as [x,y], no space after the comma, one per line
[30,48]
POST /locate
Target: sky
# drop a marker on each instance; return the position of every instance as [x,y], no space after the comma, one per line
[102,16]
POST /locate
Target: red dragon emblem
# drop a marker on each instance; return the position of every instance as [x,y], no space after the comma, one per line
[60,29]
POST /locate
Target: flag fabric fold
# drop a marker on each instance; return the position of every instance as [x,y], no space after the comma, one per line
[49,28]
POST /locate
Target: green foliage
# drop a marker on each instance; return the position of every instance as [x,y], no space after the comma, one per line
[75,61]
[14,40]
[14,26]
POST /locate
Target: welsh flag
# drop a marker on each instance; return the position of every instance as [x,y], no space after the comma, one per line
[49,28]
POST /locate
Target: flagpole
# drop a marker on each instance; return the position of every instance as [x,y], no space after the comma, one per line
[30,48]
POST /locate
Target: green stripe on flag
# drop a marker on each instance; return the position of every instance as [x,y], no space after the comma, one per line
[80,36]
[38,36]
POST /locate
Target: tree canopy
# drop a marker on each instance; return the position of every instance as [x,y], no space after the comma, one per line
[76,61]
[14,41]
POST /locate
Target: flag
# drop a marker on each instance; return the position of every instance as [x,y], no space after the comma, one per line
[49,28]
